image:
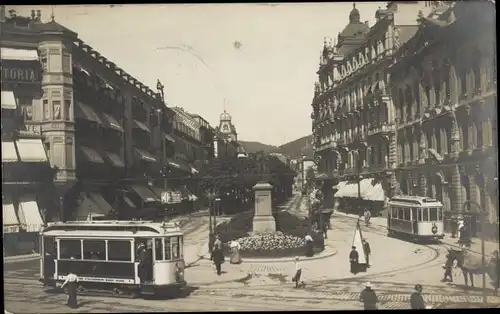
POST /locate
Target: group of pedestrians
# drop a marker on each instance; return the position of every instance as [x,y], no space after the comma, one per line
[217,255]
[354,257]
[370,299]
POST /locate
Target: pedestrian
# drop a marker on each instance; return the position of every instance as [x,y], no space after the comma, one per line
[454,226]
[367,216]
[72,282]
[416,299]
[369,297]
[464,234]
[448,266]
[368,252]
[218,258]
[309,245]
[217,241]
[354,260]
[235,252]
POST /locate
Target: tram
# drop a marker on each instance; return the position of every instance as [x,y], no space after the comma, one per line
[415,216]
[135,258]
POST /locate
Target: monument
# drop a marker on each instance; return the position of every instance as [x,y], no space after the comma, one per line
[263,220]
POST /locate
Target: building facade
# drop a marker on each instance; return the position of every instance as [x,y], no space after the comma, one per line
[226,138]
[444,87]
[353,114]
[109,136]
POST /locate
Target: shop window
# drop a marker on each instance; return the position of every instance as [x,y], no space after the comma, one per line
[94,249]
[70,249]
[119,250]
[159,249]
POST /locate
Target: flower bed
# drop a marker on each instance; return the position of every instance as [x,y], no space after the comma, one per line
[271,245]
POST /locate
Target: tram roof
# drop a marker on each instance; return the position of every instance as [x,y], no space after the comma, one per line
[417,200]
[120,228]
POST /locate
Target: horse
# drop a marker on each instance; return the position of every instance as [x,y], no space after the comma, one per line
[471,265]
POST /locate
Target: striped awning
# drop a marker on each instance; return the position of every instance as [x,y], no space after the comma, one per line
[85,112]
[144,155]
[112,123]
[9,217]
[145,193]
[92,204]
[29,214]
[90,154]
[31,150]
[9,153]
[169,138]
[141,126]
[19,54]
[8,100]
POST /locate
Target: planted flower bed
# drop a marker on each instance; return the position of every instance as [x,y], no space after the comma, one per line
[288,241]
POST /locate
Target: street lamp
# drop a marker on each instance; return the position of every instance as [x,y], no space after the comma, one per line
[212,222]
[465,207]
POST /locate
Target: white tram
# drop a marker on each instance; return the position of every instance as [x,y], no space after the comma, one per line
[105,256]
[415,216]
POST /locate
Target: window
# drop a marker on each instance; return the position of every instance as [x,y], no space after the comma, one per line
[45,64]
[119,250]
[159,249]
[94,249]
[394,213]
[414,214]
[407,213]
[50,245]
[56,104]
[401,214]
[67,109]
[419,214]
[46,109]
[168,251]
[433,214]
[176,247]
[70,249]
[425,214]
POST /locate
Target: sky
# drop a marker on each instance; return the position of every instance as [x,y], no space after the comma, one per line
[258,61]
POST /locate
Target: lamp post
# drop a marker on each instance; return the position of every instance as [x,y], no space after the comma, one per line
[465,207]
[358,177]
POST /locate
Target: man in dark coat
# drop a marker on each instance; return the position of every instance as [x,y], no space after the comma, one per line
[368,251]
[354,260]
[416,299]
[368,297]
[218,258]
[448,265]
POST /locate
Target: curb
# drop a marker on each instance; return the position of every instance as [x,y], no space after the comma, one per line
[454,245]
[20,258]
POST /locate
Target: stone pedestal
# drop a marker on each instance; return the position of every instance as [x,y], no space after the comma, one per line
[263,220]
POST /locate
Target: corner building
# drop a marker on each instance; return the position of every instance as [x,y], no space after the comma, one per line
[353,113]
[444,83]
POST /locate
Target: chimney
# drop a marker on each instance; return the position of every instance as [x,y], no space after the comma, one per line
[39,15]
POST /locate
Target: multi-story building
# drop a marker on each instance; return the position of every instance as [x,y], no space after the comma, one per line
[207,134]
[108,135]
[353,115]
[444,87]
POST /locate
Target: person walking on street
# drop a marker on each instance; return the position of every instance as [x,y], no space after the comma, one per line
[72,282]
[448,266]
[416,299]
[369,298]
[218,258]
[367,216]
[217,242]
[368,251]
[354,260]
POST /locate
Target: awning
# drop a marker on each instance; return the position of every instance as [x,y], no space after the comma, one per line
[90,154]
[29,214]
[31,150]
[179,164]
[169,138]
[19,54]
[92,205]
[129,202]
[106,83]
[112,123]
[144,155]
[145,193]
[115,160]
[8,100]
[85,112]
[9,153]
[80,68]
[376,193]
[186,193]
[140,125]
[10,221]
[340,189]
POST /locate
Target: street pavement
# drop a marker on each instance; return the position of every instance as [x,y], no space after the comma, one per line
[396,267]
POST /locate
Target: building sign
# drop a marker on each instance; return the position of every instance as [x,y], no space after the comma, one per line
[171,197]
[20,71]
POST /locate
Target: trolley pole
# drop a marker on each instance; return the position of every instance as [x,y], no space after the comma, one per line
[358,170]
[482,217]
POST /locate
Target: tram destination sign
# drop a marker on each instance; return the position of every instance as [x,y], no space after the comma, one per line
[21,71]
[103,280]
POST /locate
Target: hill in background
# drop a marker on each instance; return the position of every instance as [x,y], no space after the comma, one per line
[291,149]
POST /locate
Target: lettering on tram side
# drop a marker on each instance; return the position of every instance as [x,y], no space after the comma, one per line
[98,279]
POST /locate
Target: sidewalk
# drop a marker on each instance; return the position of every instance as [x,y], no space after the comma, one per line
[490,246]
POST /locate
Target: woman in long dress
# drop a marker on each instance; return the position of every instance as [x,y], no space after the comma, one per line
[235,252]
[72,282]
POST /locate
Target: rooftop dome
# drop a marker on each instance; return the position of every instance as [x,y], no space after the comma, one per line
[225,116]
[354,16]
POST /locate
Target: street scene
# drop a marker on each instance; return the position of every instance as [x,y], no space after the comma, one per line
[198,157]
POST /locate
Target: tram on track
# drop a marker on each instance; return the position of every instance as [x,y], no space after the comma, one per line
[416,217]
[135,258]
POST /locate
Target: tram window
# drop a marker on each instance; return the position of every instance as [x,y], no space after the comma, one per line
[440,214]
[168,251]
[425,214]
[433,214]
[119,250]
[407,213]
[70,249]
[414,214]
[401,214]
[94,249]
[419,214]
[394,213]
[176,248]
[158,249]
[50,245]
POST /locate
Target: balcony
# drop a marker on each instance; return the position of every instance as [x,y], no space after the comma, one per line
[384,129]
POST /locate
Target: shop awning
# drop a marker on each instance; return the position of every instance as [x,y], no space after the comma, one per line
[115,160]
[31,150]
[19,54]
[9,153]
[376,193]
[101,202]
[145,193]
[169,138]
[92,205]
[90,155]
[81,69]
[29,214]
[141,126]
[144,155]
[129,202]
[112,123]
[8,100]
[85,112]
[10,221]
[179,164]
[340,189]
